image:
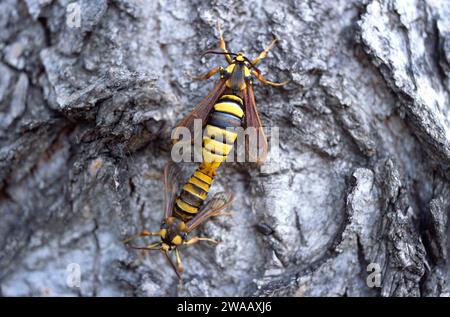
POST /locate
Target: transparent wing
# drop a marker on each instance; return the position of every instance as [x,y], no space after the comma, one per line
[257,149]
[219,202]
[171,187]
[202,109]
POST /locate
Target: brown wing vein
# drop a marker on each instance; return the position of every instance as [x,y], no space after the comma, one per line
[252,120]
[203,108]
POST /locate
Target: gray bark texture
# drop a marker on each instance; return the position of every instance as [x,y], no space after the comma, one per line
[360,184]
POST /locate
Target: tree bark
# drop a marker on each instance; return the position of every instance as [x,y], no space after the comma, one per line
[354,203]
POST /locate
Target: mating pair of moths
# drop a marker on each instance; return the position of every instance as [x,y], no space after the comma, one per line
[230,104]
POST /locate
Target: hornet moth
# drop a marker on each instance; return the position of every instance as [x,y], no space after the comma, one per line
[175,226]
[219,109]
[230,104]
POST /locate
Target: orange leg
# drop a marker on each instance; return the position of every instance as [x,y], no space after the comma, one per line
[207,75]
[142,234]
[179,264]
[194,240]
[261,78]
[222,44]
[264,53]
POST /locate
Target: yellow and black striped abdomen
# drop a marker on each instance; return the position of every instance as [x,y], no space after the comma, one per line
[192,195]
[219,137]
[218,141]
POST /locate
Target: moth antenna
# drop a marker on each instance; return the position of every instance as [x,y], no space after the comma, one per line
[171,264]
[216,52]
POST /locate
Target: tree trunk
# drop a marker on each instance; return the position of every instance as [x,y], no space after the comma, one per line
[354,203]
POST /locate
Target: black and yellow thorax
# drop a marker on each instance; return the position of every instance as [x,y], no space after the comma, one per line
[237,74]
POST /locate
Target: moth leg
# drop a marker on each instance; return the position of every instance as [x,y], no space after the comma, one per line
[194,240]
[264,53]
[141,234]
[151,246]
[261,78]
[207,75]
[179,264]
[222,44]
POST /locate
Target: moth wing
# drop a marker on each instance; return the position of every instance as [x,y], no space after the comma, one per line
[252,120]
[202,109]
[171,187]
[219,202]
